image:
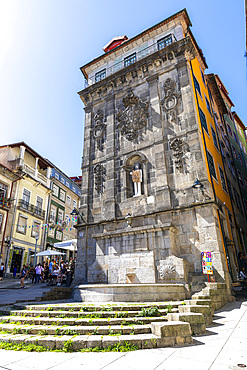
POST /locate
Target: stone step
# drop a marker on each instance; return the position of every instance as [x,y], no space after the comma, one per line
[164,335]
[205,310]
[75,330]
[80,321]
[100,307]
[92,314]
[196,321]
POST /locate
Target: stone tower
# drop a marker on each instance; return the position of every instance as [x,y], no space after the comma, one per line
[141,220]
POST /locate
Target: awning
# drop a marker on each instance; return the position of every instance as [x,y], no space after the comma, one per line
[49,252]
[70,245]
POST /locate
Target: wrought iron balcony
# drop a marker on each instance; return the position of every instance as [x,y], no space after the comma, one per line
[131,59]
[32,209]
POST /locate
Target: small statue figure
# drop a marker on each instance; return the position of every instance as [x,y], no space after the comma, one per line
[137,179]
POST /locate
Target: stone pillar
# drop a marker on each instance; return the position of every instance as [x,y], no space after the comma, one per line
[21,155]
[109,185]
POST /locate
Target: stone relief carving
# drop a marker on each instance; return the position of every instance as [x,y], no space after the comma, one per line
[167,272]
[170,100]
[134,117]
[99,177]
[99,276]
[177,146]
[99,129]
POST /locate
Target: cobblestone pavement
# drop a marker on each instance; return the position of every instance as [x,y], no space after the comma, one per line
[11,292]
[223,347]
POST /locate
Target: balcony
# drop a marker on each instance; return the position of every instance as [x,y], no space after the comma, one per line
[131,59]
[35,174]
[31,209]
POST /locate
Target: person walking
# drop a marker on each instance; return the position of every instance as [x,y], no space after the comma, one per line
[1,271]
[24,273]
[38,272]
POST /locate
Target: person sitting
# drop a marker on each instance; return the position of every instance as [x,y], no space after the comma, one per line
[61,275]
[54,275]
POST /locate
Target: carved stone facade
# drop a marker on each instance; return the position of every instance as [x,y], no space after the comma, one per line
[151,121]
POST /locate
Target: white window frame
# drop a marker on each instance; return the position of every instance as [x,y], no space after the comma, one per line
[68,197]
[64,195]
[57,191]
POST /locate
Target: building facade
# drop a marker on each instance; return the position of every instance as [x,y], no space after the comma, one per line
[30,203]
[65,197]
[154,187]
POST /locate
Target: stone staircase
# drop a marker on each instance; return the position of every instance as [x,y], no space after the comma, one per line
[87,325]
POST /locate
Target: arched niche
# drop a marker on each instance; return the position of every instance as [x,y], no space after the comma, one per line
[128,166]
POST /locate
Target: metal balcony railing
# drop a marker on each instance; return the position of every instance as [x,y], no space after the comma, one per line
[30,208]
[161,44]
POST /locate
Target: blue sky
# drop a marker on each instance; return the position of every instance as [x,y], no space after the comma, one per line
[43,43]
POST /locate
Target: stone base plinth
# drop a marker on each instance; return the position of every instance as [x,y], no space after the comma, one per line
[130,292]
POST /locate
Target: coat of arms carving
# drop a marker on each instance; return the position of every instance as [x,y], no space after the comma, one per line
[134,117]
[99,129]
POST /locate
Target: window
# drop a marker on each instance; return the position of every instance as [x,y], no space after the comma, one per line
[1,221]
[51,232]
[234,152]
[57,176]
[237,198]
[59,235]
[203,120]
[22,224]
[130,60]
[240,159]
[197,85]
[60,217]
[208,105]
[55,190]
[222,179]
[3,190]
[53,212]
[229,129]
[214,138]
[35,229]
[68,199]
[67,219]
[39,204]
[211,165]
[62,195]
[26,198]
[165,41]
[210,95]
[235,137]
[240,178]
[100,75]
[203,78]
[67,184]
[74,203]
[62,180]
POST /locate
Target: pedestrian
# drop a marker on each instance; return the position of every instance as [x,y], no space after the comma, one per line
[14,271]
[38,272]
[24,273]
[1,271]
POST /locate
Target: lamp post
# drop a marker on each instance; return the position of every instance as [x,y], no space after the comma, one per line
[198,185]
[35,251]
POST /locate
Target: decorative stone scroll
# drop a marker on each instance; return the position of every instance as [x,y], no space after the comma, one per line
[167,272]
[134,117]
[99,128]
[170,100]
[177,146]
[99,178]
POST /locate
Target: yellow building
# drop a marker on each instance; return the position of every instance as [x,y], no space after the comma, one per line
[31,201]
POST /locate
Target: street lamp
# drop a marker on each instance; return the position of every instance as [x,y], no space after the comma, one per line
[35,251]
[198,185]
[75,212]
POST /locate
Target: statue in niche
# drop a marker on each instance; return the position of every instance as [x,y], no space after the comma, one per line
[136,176]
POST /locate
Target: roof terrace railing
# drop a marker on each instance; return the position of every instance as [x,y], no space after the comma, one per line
[131,59]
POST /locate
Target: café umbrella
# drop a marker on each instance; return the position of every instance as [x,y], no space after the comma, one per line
[49,252]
